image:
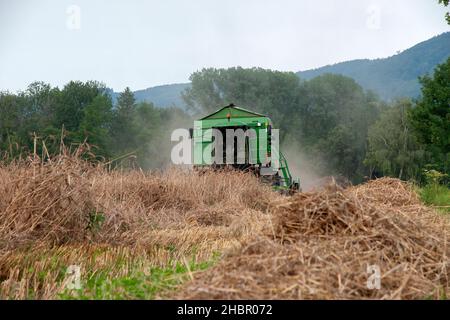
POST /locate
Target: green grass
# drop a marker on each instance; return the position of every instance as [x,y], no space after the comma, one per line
[437,196]
[105,272]
[136,284]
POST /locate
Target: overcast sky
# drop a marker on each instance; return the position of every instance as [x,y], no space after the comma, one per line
[146,43]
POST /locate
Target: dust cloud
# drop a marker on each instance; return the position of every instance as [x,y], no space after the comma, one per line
[303,166]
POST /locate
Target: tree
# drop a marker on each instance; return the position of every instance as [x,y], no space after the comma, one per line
[126,103]
[327,116]
[24,114]
[96,123]
[331,123]
[266,91]
[393,148]
[11,120]
[124,131]
[447,15]
[431,116]
[149,139]
[86,112]
[41,102]
[74,97]
[82,109]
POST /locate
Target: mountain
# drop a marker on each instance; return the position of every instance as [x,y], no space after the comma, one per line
[162,96]
[391,77]
[395,76]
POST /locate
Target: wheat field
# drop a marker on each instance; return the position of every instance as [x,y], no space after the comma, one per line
[178,234]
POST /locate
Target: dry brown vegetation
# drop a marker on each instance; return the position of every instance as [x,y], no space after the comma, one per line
[311,245]
[56,213]
[320,244]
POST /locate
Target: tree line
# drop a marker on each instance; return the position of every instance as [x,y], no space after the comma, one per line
[341,128]
[83,112]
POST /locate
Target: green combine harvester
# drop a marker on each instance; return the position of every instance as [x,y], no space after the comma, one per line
[257,152]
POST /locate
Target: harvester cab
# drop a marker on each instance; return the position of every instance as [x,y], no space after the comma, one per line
[233,137]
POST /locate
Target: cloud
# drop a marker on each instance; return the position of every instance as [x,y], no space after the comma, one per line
[145,43]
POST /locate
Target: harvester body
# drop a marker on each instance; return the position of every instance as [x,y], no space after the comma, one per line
[258,152]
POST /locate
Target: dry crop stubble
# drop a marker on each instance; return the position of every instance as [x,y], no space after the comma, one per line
[49,209]
[320,244]
[311,245]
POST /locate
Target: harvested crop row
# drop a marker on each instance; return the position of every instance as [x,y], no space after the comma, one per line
[326,244]
[322,244]
[67,200]
[67,207]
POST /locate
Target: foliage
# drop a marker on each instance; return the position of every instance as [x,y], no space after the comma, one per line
[346,130]
[331,123]
[436,195]
[435,177]
[95,126]
[447,15]
[83,111]
[431,117]
[124,130]
[435,192]
[95,220]
[328,116]
[393,148]
[395,76]
[258,89]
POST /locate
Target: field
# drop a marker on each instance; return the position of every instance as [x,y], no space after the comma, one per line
[183,235]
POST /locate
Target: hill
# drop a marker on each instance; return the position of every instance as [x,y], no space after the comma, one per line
[394,76]
[162,96]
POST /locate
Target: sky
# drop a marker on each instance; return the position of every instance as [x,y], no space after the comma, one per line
[141,44]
